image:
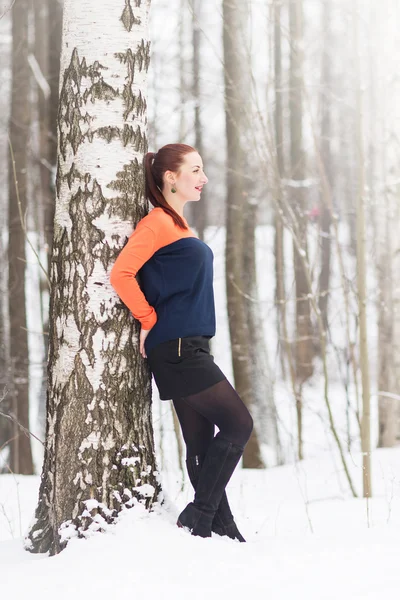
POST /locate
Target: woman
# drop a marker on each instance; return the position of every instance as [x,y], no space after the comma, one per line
[177,316]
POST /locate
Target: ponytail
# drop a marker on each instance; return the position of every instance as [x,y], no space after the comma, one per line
[153,185]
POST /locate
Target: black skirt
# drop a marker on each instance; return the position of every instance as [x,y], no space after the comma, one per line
[183,366]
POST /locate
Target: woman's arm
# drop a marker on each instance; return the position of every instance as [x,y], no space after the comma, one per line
[140,247]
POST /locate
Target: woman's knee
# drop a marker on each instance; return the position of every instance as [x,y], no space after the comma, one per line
[248,426]
[243,429]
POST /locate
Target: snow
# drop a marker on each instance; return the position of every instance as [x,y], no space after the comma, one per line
[306,538]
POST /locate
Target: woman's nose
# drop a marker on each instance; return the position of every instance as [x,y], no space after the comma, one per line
[205,178]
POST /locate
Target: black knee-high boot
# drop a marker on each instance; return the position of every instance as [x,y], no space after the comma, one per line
[219,463]
[223,522]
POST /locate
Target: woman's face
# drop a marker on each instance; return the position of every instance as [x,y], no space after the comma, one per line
[190,178]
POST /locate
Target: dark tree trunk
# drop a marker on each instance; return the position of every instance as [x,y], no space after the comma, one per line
[304,341]
[234,18]
[327,159]
[280,294]
[21,455]
[199,208]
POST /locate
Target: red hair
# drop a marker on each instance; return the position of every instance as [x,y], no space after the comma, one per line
[168,158]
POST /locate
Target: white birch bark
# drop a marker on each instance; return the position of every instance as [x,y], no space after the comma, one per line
[99,453]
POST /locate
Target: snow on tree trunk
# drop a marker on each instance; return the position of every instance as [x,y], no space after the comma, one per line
[99,454]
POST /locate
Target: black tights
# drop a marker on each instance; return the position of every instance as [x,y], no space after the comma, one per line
[218,405]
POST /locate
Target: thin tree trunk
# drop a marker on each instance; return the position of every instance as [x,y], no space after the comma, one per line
[386,219]
[234,20]
[21,454]
[199,208]
[5,424]
[389,374]
[361,275]
[280,293]
[263,403]
[326,134]
[43,187]
[387,320]
[55,11]
[304,341]
[52,61]
[5,60]
[99,451]
[182,75]
[304,338]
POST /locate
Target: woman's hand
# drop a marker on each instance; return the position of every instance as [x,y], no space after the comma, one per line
[143,335]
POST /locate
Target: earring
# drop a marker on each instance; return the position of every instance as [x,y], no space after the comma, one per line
[173,190]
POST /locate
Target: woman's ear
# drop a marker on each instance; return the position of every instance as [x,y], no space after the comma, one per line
[170,177]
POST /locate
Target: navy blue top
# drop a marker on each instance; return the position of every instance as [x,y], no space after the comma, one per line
[178,282]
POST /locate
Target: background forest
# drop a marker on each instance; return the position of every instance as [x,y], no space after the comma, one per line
[294,108]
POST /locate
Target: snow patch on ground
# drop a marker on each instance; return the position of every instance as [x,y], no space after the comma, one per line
[306,538]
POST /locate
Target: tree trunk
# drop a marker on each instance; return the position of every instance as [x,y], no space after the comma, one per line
[389,374]
[304,340]
[42,196]
[234,20]
[280,294]
[55,34]
[327,159]
[5,60]
[21,455]
[263,401]
[199,209]
[388,306]
[361,273]
[182,74]
[41,51]
[51,66]
[99,451]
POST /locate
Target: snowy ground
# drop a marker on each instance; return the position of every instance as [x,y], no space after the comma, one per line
[306,538]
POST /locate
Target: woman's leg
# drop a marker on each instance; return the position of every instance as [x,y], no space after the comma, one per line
[198,433]
[221,405]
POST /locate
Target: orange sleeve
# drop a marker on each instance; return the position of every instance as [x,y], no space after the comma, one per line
[140,247]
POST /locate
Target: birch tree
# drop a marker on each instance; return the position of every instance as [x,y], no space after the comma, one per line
[99,450]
